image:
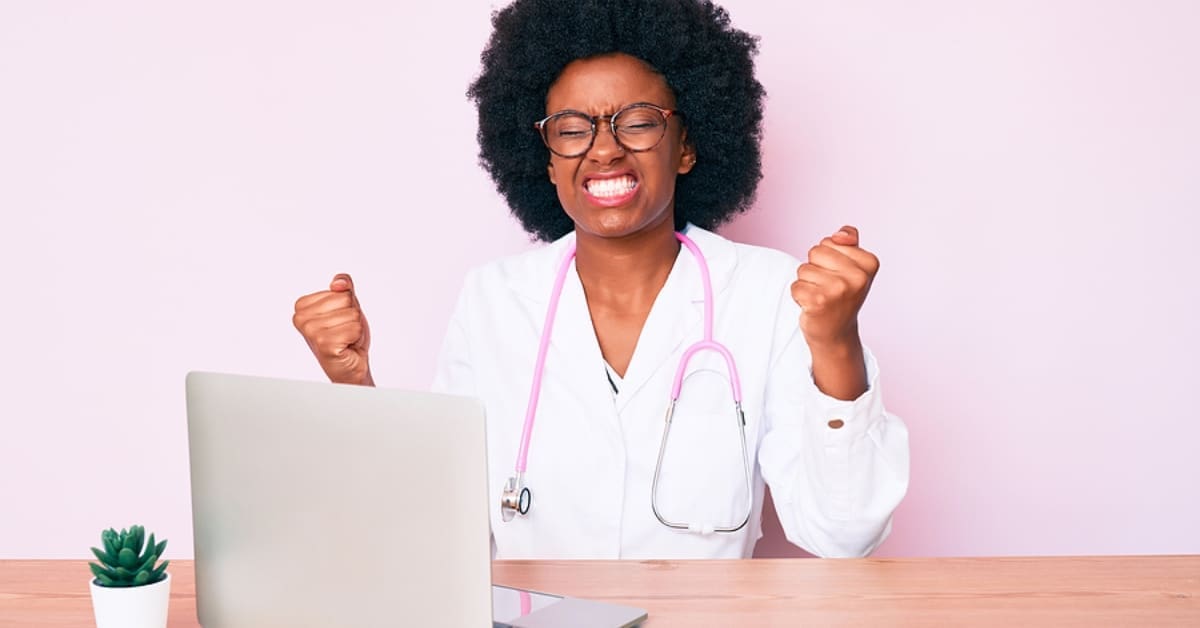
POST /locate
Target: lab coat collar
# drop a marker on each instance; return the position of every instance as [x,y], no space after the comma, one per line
[718,252]
[676,317]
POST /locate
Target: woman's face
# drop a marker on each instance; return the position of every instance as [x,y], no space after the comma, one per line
[609,191]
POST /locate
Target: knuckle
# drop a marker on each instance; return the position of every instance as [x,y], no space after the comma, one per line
[855,280]
[327,347]
[839,287]
[307,301]
[800,292]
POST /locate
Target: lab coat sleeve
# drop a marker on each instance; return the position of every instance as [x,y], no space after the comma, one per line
[835,489]
[453,374]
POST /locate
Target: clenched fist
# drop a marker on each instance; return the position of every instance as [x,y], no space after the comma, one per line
[831,288]
[336,331]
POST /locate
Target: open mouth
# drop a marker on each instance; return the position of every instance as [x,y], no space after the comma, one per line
[611,190]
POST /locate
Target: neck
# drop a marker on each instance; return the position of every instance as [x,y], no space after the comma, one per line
[626,273]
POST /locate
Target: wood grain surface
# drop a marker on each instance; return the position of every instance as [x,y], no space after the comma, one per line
[1047,591]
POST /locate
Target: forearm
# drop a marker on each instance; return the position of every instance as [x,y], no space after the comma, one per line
[839,369]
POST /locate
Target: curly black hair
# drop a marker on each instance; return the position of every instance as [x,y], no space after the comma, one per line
[706,62]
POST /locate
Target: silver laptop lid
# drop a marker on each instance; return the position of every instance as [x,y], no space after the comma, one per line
[328,505]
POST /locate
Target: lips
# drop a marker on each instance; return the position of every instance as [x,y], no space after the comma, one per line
[610,189]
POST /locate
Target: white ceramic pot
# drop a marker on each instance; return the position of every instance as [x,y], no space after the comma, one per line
[132,607]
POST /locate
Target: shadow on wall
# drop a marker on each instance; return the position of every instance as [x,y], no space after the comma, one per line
[774,544]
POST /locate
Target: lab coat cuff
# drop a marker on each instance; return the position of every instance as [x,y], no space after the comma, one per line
[841,422]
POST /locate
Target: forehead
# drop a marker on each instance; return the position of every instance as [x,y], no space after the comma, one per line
[601,85]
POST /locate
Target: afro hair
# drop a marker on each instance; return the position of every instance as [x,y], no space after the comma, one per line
[706,62]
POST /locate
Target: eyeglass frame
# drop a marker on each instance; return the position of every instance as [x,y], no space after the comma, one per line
[667,114]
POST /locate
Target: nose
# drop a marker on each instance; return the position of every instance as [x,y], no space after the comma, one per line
[605,147]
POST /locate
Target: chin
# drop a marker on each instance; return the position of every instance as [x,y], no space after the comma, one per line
[610,224]
[615,222]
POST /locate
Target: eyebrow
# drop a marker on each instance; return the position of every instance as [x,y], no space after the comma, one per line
[610,111]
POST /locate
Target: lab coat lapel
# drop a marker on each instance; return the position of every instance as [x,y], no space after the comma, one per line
[573,360]
[677,317]
[673,318]
[574,347]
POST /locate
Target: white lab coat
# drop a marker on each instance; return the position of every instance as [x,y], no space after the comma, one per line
[593,453]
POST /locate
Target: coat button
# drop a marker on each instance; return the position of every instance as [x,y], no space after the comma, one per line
[837,424]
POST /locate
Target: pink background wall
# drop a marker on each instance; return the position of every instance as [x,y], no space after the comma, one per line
[173,176]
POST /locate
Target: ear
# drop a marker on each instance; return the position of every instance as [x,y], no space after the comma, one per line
[687,157]
[550,171]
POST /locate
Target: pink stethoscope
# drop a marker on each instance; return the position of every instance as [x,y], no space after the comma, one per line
[516,497]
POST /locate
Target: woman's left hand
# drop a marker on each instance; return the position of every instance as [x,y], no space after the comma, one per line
[831,287]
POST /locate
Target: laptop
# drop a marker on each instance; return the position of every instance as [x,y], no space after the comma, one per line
[325,505]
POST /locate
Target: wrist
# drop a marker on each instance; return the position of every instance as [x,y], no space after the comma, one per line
[839,368]
[836,348]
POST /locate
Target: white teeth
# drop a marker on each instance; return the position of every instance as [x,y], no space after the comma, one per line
[616,186]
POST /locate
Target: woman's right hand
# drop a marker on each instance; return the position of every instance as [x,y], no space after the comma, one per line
[336,331]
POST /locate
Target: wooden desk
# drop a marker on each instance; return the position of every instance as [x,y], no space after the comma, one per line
[1094,591]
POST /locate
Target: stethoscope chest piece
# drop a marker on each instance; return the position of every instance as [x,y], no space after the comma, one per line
[515,499]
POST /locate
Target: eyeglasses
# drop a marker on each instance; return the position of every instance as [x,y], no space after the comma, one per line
[637,128]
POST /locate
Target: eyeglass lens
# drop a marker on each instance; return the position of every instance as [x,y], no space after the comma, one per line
[638,128]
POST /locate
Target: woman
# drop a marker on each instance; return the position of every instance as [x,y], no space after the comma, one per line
[609,126]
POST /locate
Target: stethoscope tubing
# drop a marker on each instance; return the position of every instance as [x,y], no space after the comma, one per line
[516,498]
[540,365]
[708,343]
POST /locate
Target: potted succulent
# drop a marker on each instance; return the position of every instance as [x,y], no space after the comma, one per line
[128,589]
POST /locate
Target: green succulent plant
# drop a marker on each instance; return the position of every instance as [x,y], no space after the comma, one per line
[125,562]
